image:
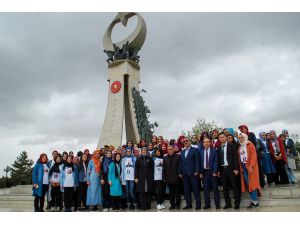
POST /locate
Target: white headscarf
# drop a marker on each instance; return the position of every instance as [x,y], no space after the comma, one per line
[246,139]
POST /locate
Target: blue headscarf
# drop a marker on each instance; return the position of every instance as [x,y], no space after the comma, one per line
[106,162]
[260,135]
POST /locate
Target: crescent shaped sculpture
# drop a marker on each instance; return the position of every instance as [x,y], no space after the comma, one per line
[136,39]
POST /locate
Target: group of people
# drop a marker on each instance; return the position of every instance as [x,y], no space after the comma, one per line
[131,175]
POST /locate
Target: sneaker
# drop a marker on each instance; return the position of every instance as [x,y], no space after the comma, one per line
[253,205]
[162,206]
[52,209]
[159,207]
[105,210]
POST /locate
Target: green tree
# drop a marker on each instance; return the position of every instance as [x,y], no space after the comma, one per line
[202,125]
[21,169]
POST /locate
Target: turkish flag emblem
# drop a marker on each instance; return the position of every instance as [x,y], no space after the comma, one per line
[115,86]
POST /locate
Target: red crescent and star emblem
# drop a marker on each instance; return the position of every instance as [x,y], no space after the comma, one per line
[115,86]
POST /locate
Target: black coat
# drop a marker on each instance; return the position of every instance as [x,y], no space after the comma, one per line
[232,157]
[144,169]
[171,169]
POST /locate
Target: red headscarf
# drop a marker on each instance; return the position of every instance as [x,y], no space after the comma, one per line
[97,162]
[179,144]
[41,156]
[244,126]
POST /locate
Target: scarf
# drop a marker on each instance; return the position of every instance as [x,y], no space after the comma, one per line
[244,144]
[55,168]
[66,164]
[276,143]
[97,162]
[117,165]
[106,162]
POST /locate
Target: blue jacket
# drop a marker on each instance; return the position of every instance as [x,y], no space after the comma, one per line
[190,164]
[212,161]
[37,178]
[63,176]
[80,173]
[116,187]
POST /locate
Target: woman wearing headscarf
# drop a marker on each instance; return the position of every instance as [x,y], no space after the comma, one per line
[40,180]
[158,178]
[291,153]
[94,193]
[54,175]
[68,182]
[114,180]
[143,177]
[267,164]
[107,160]
[249,169]
[128,165]
[278,154]
[252,138]
[82,178]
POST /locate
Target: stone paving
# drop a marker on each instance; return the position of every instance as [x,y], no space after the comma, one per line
[281,198]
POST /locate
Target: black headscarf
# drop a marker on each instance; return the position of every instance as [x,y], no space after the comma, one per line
[55,167]
[117,164]
[66,164]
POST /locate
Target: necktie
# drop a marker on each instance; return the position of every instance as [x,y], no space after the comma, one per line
[222,154]
[206,159]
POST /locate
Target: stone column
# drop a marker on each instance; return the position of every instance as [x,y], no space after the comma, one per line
[123,75]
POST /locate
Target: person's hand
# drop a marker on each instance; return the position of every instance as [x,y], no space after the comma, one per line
[215,174]
[180,175]
[236,172]
[219,174]
[102,182]
[196,174]
[201,176]
[110,183]
[88,183]
[136,180]
[61,188]
[35,186]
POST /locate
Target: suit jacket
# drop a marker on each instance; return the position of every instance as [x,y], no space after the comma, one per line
[212,160]
[190,164]
[231,156]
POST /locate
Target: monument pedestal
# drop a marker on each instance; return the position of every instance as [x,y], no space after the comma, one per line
[123,76]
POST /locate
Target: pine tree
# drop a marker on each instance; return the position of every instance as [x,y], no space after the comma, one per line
[21,169]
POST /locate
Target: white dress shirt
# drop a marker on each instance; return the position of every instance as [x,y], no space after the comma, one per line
[206,152]
[225,155]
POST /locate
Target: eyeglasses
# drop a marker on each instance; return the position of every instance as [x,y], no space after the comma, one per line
[185,141]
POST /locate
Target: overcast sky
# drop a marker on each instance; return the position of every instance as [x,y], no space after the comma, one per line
[233,68]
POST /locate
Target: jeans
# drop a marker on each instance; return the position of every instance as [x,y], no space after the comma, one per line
[291,175]
[130,191]
[39,200]
[253,194]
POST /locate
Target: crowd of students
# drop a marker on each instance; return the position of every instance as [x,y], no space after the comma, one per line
[131,175]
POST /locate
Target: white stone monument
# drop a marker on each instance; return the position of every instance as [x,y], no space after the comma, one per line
[123,76]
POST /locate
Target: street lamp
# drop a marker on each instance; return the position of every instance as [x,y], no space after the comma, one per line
[6,171]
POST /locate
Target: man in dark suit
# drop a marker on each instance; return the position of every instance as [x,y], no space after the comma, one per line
[189,171]
[229,169]
[209,173]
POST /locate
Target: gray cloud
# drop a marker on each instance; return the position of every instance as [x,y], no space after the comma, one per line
[229,67]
